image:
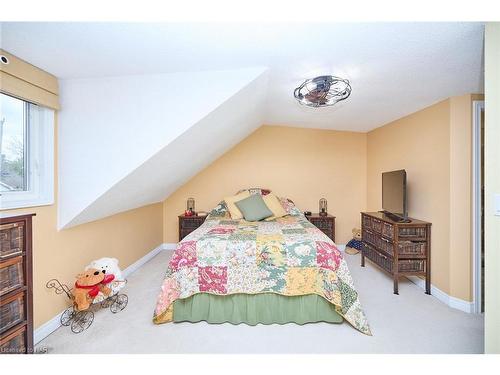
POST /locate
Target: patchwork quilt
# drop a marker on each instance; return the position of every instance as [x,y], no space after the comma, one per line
[287,256]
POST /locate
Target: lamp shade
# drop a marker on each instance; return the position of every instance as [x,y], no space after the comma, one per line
[323,206]
[190,204]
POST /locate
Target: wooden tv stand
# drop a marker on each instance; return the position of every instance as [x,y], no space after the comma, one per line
[400,249]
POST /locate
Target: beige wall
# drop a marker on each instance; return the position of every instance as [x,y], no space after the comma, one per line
[460,247]
[302,164]
[492,186]
[418,143]
[62,254]
[434,145]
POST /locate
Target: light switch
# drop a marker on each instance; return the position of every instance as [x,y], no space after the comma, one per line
[497,204]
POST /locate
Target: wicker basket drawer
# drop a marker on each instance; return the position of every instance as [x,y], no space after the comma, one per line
[367,222]
[388,230]
[381,260]
[386,246]
[11,239]
[411,265]
[322,224]
[377,225]
[11,311]
[412,248]
[413,233]
[192,223]
[370,237]
[11,275]
[14,343]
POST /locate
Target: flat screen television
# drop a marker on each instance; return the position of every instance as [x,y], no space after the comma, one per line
[394,199]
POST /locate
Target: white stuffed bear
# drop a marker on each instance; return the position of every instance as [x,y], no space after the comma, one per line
[109,266]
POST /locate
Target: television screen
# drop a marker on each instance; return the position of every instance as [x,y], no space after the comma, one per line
[394,193]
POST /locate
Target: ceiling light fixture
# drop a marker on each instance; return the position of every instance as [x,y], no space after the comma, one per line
[322,91]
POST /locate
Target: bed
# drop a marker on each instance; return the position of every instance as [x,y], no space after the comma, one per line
[279,271]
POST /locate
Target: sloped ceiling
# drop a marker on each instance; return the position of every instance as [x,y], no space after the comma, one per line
[129,141]
[146,106]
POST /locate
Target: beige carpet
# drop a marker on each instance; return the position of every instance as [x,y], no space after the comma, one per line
[412,322]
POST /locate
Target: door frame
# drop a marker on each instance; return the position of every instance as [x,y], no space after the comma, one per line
[477,108]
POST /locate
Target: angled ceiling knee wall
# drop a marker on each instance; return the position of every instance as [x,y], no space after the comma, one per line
[125,142]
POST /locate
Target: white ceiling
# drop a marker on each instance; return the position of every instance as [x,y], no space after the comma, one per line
[394,68]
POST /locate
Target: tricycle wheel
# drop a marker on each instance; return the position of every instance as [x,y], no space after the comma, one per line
[119,303]
[106,302]
[82,321]
[67,316]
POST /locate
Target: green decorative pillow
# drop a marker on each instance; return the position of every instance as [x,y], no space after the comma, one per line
[253,208]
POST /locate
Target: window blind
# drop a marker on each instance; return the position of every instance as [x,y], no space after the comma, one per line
[25,81]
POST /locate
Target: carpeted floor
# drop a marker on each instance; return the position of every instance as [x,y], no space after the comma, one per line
[412,322]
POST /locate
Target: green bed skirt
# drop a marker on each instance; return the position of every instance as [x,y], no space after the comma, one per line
[252,309]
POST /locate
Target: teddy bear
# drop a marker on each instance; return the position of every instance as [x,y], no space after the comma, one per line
[88,285]
[108,266]
[355,245]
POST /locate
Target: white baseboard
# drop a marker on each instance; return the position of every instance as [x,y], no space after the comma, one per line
[451,301]
[48,327]
[169,246]
[139,263]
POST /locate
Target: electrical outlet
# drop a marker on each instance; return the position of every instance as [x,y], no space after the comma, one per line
[497,204]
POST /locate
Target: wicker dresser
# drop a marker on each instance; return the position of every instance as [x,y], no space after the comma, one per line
[326,223]
[16,292]
[400,249]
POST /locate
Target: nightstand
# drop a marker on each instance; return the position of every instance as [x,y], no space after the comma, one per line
[187,224]
[326,223]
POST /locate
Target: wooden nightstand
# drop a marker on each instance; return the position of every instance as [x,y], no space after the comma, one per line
[187,224]
[326,223]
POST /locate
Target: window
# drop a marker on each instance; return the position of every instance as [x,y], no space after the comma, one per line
[27,154]
[13,141]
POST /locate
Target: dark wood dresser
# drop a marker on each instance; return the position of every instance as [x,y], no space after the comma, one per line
[187,224]
[16,285]
[400,249]
[326,223]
